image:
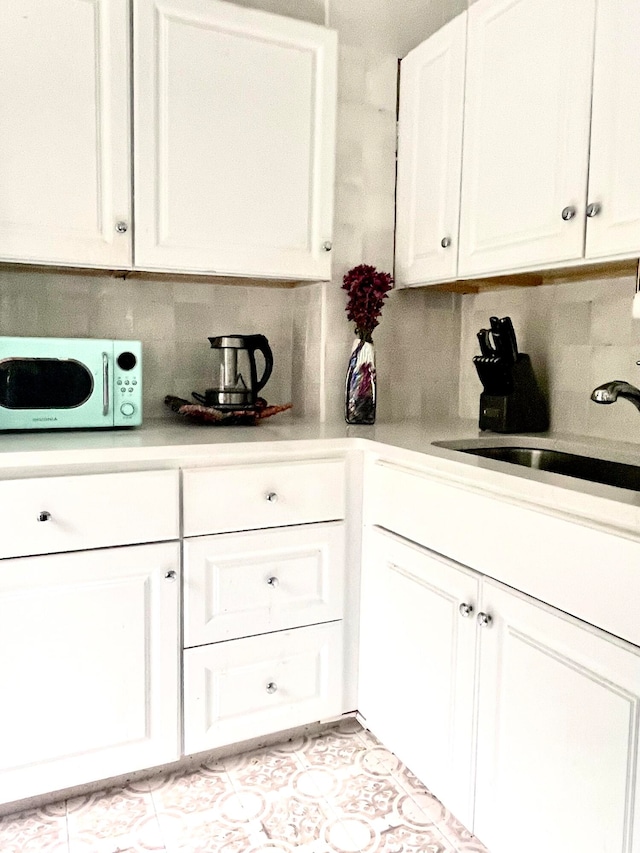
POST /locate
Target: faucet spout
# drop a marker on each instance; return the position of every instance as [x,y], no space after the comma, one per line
[610,391]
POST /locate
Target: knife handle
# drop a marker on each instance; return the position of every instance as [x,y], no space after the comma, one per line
[484,337]
[508,334]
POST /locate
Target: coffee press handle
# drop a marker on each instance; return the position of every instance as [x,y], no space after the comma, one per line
[261,344]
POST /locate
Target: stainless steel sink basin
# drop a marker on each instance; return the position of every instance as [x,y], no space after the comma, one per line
[590,468]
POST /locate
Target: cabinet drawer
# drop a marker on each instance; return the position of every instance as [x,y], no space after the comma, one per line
[246,497]
[239,584]
[87,511]
[247,688]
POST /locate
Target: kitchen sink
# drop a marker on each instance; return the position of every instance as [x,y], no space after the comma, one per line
[590,468]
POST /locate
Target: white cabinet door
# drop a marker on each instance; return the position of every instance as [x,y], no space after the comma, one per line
[234,140]
[558,727]
[65,173]
[526,133]
[90,663]
[614,172]
[417,661]
[247,688]
[429,157]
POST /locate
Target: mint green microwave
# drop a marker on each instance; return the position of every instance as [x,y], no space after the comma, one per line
[69,383]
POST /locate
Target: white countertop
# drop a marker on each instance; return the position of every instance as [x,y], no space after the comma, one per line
[172,443]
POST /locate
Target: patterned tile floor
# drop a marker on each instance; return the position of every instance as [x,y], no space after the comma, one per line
[339,791]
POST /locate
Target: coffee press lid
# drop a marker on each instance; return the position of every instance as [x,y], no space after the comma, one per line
[230,341]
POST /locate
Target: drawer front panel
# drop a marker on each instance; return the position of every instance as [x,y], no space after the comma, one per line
[247,497]
[586,572]
[248,688]
[87,511]
[239,584]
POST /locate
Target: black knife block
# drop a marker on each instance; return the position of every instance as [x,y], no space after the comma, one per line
[522,409]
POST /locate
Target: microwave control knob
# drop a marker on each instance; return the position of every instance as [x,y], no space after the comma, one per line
[127,409]
[121,227]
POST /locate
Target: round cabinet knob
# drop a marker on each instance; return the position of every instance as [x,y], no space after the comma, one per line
[445,242]
[44,516]
[127,409]
[272,497]
[327,246]
[568,213]
[121,227]
[593,209]
[484,620]
[171,576]
[272,687]
[465,609]
[273,582]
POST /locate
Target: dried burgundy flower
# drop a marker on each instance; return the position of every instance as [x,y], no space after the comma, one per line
[367,289]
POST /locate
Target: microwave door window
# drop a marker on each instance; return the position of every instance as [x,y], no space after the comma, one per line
[44,383]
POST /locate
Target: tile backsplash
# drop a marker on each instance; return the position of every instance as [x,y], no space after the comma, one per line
[579,335]
[172,319]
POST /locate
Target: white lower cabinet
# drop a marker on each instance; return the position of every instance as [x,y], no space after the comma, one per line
[91,683]
[263,608]
[417,659]
[523,720]
[250,687]
[558,725]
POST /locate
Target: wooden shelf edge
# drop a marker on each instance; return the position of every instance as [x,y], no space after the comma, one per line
[561,275]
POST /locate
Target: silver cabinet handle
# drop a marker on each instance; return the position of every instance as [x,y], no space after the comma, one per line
[484,620]
[327,246]
[272,687]
[105,383]
[44,515]
[465,609]
[445,242]
[272,497]
[121,227]
[171,576]
[273,582]
[568,213]
[593,209]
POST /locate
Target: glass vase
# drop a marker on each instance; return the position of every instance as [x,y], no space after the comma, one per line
[360,386]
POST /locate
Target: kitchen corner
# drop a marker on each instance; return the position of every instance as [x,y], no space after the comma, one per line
[173,592]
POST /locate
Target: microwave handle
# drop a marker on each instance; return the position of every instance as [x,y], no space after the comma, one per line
[105,383]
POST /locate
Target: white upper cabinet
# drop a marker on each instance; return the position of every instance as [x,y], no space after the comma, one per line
[234,114]
[614,175]
[429,157]
[526,133]
[65,174]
